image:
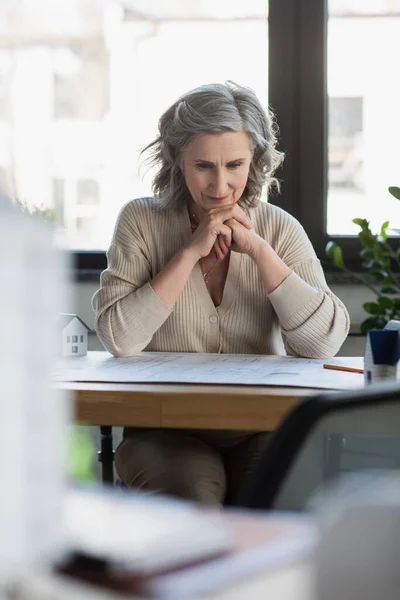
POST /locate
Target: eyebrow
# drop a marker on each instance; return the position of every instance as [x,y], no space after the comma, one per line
[208,162]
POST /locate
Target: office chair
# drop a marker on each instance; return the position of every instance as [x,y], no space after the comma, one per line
[322,438]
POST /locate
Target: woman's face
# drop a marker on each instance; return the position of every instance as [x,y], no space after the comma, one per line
[216,167]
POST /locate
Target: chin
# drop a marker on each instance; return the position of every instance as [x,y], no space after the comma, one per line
[212,202]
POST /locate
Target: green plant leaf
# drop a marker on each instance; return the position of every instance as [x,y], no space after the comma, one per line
[389,290]
[366,253]
[368,324]
[378,251]
[385,302]
[377,277]
[373,308]
[375,265]
[363,223]
[335,254]
[384,226]
[366,239]
[388,280]
[395,191]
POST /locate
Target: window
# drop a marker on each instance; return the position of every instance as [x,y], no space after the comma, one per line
[105,70]
[75,349]
[87,192]
[6,183]
[364,124]
[81,338]
[74,339]
[59,199]
[5,75]
[98,92]
[327,91]
[80,79]
[345,149]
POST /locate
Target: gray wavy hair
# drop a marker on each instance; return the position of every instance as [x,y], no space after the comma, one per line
[214,108]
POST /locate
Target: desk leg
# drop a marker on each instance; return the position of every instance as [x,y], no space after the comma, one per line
[106,454]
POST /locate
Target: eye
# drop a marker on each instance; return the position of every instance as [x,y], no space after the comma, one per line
[203,166]
[234,165]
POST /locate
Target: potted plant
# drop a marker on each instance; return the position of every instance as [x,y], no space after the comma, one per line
[381,263]
[48,215]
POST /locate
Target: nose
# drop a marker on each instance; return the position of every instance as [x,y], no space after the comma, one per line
[220,184]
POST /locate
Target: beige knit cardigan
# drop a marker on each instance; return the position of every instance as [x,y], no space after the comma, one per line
[301,317]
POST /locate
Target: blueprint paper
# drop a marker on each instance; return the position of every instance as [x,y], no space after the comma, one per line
[228,369]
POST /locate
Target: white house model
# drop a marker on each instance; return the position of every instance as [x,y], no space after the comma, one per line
[74,335]
[382,355]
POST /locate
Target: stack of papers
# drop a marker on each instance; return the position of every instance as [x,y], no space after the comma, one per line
[166,548]
[142,533]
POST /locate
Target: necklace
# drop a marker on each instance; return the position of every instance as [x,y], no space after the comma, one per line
[194,223]
[207,276]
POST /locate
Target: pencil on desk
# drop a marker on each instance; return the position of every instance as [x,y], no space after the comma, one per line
[340,368]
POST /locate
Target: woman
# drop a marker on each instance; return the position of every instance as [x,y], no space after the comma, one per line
[206,267]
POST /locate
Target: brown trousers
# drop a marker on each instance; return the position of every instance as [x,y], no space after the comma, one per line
[206,466]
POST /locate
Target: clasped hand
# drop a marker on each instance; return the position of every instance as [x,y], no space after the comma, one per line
[223,229]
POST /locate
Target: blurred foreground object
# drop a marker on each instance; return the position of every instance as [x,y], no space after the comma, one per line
[358,554]
[382,355]
[81,455]
[33,414]
[160,547]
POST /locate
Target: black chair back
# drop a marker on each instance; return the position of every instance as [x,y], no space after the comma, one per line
[322,437]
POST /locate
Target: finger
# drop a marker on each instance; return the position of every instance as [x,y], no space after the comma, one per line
[220,215]
[240,216]
[231,223]
[226,237]
[218,251]
[223,245]
[233,226]
[226,233]
[235,212]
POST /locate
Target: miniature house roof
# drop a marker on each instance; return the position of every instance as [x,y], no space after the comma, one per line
[65,318]
[385,346]
[393,324]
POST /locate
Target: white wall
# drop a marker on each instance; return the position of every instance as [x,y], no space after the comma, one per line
[354,296]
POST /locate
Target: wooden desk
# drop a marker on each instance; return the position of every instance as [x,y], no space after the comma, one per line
[179,406]
[183,406]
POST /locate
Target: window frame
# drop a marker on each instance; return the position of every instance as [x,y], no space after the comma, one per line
[297,75]
[298,38]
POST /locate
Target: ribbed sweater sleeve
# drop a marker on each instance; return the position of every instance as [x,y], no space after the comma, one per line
[314,321]
[128,311]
